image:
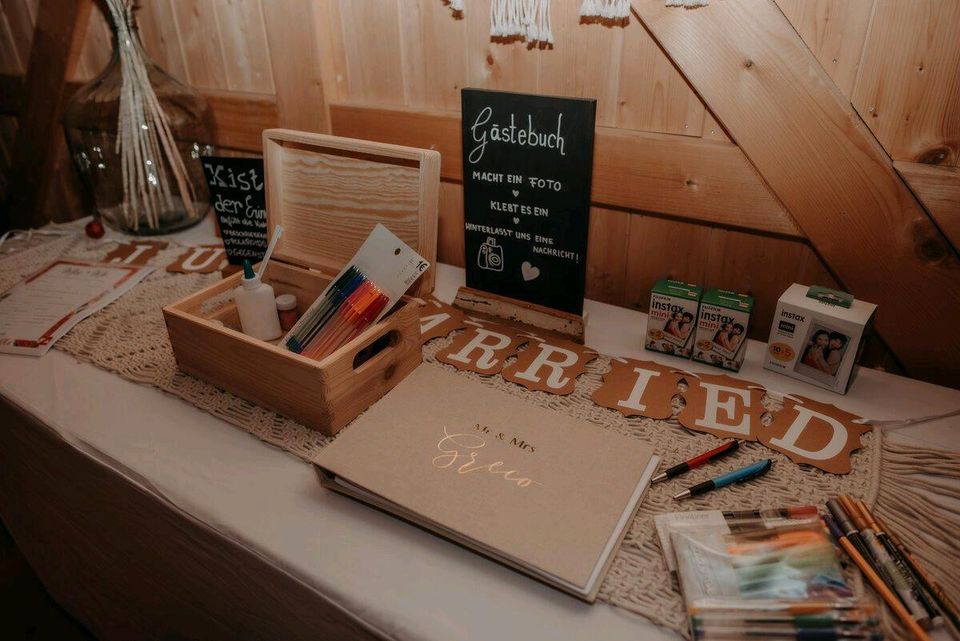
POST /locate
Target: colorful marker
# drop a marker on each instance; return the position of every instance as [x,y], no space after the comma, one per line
[878,585]
[903,568]
[358,311]
[737,476]
[727,448]
[319,313]
[934,589]
[846,527]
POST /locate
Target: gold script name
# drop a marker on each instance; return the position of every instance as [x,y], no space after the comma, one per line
[460,450]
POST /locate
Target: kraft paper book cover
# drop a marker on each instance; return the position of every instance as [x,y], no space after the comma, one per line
[532,488]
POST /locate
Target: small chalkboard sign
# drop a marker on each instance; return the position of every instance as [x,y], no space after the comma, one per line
[238,198]
[527,167]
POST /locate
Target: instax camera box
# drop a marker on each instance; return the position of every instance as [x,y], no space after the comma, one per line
[722,329]
[816,336]
[672,317]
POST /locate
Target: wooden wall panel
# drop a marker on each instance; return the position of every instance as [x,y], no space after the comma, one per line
[291,63]
[585,62]
[450,248]
[17,18]
[909,87]
[243,41]
[97,46]
[762,266]
[429,80]
[835,31]
[10,60]
[371,40]
[772,95]
[507,66]
[333,61]
[705,180]
[653,94]
[161,39]
[196,22]
[8,133]
[296,65]
[607,251]
[938,188]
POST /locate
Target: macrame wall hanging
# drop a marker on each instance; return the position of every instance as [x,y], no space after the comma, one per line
[529,20]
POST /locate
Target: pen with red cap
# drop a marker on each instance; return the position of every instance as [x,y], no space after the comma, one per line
[727,448]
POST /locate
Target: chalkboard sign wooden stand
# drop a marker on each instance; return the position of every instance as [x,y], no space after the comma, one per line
[536,317]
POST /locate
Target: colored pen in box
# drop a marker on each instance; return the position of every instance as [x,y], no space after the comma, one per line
[346,316]
[727,448]
[336,302]
[356,313]
[357,299]
[358,324]
[737,476]
[317,316]
[334,297]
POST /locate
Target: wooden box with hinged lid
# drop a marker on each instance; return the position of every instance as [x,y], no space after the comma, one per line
[328,193]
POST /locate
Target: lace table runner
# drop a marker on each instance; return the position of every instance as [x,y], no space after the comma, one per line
[129,338]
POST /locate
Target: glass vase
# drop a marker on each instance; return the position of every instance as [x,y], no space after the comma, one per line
[157,187]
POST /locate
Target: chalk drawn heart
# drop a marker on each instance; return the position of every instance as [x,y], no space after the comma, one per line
[516,193]
[516,221]
[529,271]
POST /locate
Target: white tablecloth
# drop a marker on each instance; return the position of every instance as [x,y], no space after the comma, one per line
[360,572]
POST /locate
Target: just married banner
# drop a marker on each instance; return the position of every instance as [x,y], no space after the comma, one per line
[805,430]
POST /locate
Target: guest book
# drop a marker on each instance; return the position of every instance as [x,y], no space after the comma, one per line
[535,489]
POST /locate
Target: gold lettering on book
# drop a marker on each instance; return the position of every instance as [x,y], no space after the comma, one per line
[460,450]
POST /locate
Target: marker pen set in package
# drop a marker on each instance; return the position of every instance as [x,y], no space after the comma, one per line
[361,294]
[770,574]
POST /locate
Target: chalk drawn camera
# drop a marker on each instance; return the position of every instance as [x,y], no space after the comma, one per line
[490,256]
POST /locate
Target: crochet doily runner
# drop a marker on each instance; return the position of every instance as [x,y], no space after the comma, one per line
[129,338]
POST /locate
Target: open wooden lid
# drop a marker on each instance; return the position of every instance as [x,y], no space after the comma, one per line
[330,192]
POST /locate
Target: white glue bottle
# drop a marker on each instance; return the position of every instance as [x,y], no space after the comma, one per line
[257,306]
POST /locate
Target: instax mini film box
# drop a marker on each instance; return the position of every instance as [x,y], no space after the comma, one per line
[722,329]
[816,336]
[672,317]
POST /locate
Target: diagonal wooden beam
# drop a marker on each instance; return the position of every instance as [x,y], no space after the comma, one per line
[57,38]
[938,188]
[767,89]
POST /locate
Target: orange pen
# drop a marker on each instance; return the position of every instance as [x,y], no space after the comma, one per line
[885,593]
[353,329]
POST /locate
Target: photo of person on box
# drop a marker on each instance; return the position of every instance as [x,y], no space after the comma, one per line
[724,337]
[676,330]
[673,324]
[824,351]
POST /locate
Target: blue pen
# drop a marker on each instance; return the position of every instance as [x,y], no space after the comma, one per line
[751,471]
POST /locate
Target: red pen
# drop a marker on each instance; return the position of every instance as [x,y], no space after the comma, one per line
[727,448]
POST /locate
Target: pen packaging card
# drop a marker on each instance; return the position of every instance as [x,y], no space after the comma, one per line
[371,283]
[532,488]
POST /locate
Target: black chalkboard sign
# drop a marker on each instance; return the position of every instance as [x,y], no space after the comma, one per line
[527,165]
[238,198]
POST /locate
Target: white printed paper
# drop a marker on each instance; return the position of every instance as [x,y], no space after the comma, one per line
[40,309]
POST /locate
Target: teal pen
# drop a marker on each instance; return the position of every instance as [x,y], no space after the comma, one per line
[747,473]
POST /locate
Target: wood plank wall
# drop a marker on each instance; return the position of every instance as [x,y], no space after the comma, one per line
[896,60]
